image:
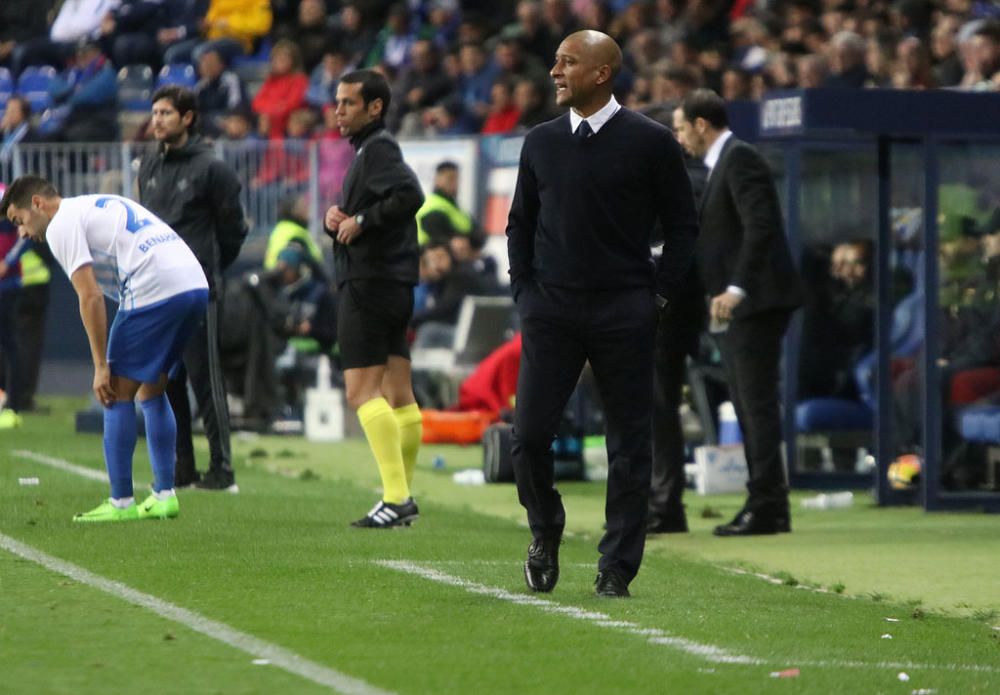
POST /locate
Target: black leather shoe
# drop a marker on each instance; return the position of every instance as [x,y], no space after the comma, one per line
[541,569]
[611,584]
[667,524]
[753,524]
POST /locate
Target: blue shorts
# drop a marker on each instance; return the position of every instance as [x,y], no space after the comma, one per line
[147,342]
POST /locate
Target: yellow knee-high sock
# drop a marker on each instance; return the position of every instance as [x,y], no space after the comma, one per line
[382,433]
[410,431]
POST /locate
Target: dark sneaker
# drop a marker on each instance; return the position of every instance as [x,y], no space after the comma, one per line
[611,584]
[219,482]
[184,481]
[541,569]
[387,515]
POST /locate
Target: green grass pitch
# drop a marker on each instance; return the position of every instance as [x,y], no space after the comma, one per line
[442,607]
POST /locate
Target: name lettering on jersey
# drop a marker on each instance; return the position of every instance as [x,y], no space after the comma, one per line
[156,240]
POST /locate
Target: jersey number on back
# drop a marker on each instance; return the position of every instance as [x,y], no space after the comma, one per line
[132,223]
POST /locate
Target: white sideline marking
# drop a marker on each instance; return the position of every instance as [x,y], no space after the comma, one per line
[656,636]
[705,651]
[258,648]
[82,471]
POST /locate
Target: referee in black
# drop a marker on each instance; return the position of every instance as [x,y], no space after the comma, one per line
[198,196]
[590,187]
[376,262]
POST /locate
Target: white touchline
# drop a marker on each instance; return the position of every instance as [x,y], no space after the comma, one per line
[81,471]
[655,636]
[255,647]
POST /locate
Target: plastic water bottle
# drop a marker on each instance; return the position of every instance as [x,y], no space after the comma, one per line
[729,427]
[323,373]
[834,500]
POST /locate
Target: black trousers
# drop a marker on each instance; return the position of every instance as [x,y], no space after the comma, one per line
[562,329]
[10,350]
[751,355]
[203,367]
[667,484]
[32,307]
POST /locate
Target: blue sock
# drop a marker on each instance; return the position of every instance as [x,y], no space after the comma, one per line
[161,440]
[119,445]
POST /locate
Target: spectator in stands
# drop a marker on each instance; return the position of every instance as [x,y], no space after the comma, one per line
[947,64]
[981,58]
[15,126]
[448,284]
[286,161]
[351,33]
[735,84]
[393,42]
[503,115]
[451,117]
[512,62]
[310,32]
[233,27]
[847,61]
[181,32]
[674,84]
[536,39]
[292,229]
[21,21]
[219,91]
[913,65]
[476,80]
[443,18]
[838,321]
[128,33]
[262,311]
[238,126]
[75,21]
[422,85]
[811,70]
[323,80]
[283,91]
[559,20]
[440,218]
[85,98]
[532,103]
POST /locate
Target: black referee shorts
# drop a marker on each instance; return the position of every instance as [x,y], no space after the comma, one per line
[372,319]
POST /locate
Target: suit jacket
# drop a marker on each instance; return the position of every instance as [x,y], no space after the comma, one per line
[742,239]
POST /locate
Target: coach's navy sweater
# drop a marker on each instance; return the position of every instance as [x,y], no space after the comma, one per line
[583,210]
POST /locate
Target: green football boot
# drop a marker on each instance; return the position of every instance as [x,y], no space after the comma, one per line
[153,508]
[106,511]
[9,420]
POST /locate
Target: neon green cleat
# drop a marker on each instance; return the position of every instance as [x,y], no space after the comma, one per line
[9,420]
[153,508]
[106,511]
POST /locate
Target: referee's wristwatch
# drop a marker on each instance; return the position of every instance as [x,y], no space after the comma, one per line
[360,219]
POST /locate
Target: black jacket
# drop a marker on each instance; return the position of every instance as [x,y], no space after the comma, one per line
[380,186]
[742,240]
[199,197]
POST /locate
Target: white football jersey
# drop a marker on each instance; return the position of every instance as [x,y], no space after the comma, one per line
[138,260]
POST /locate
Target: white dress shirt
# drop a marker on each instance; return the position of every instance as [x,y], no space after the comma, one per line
[596,120]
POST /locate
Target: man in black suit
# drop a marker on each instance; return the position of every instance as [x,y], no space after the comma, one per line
[747,271]
[590,187]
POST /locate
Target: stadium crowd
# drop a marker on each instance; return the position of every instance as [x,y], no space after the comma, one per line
[464,66]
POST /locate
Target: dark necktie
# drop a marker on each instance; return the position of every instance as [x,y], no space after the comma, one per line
[584,131]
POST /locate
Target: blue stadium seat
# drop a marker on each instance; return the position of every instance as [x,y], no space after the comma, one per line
[181,74]
[135,87]
[980,423]
[832,415]
[33,85]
